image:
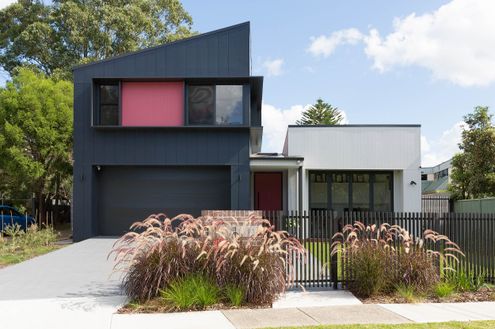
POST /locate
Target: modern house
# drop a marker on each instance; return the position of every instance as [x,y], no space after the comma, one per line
[177,129]
[436,179]
[342,168]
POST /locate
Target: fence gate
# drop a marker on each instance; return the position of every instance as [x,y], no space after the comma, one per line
[314,230]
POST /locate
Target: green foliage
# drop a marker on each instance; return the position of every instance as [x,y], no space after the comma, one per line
[20,245]
[194,291]
[368,266]
[465,280]
[444,289]
[473,170]
[56,36]
[378,259]
[235,295]
[36,135]
[321,113]
[406,292]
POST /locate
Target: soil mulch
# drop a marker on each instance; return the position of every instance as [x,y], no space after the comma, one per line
[157,305]
[482,295]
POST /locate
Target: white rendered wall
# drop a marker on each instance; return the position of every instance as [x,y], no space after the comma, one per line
[394,148]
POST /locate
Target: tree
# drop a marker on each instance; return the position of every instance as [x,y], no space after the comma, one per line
[36,135]
[321,113]
[473,170]
[57,36]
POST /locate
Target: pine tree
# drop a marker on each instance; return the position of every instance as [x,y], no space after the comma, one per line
[321,113]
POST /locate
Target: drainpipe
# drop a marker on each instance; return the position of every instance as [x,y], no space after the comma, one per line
[300,192]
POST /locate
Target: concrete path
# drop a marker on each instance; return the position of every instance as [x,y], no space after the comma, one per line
[69,288]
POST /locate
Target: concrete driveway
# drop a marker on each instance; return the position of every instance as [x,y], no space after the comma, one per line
[60,289]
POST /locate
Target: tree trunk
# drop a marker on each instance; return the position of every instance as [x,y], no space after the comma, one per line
[41,208]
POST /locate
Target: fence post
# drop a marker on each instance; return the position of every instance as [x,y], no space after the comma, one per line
[336,226]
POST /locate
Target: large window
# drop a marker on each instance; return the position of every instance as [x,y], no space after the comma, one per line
[351,191]
[215,105]
[107,113]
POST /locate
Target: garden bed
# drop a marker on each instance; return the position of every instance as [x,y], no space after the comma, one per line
[486,294]
[158,305]
[17,245]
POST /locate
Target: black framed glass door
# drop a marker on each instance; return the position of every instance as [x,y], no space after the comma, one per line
[351,190]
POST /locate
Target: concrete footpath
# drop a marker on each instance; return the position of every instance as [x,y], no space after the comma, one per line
[308,316]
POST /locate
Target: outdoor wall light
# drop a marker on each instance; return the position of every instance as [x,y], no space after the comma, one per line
[412,183]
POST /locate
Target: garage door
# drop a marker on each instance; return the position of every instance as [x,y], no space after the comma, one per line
[128,194]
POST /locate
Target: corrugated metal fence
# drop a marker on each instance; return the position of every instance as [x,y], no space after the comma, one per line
[474,233]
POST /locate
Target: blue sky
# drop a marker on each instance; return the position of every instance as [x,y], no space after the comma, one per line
[427,62]
[417,77]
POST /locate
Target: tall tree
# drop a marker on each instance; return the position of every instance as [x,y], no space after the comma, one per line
[54,37]
[321,113]
[473,170]
[36,134]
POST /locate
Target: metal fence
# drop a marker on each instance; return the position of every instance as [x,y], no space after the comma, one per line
[436,203]
[474,233]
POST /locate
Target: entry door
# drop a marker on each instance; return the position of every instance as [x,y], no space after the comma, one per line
[268,191]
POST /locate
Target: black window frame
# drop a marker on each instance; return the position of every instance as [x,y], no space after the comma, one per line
[96,120]
[246,92]
[349,174]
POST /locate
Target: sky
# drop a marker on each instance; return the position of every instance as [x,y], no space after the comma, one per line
[380,62]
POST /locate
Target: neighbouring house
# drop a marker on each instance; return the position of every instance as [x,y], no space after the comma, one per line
[436,179]
[177,129]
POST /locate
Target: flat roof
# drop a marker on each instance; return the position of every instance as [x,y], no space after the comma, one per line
[358,125]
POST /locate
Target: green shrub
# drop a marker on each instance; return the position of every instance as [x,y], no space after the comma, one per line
[194,291]
[406,292]
[465,280]
[368,266]
[160,252]
[444,289]
[235,295]
[378,259]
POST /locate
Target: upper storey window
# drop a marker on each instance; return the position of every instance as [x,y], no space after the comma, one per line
[108,114]
[215,105]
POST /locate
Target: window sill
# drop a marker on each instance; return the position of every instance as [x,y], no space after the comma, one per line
[167,127]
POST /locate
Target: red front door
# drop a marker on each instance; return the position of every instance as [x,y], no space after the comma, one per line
[268,191]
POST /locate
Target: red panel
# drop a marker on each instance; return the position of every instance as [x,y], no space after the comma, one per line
[268,191]
[152,104]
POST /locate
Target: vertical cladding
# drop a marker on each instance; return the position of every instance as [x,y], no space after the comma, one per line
[223,53]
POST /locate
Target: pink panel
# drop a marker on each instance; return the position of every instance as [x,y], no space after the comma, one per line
[152,104]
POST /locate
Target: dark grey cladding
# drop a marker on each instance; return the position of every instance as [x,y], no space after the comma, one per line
[220,54]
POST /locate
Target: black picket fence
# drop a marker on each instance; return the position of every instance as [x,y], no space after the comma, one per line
[474,233]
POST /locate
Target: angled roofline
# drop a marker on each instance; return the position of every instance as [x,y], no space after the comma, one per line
[80,66]
[358,125]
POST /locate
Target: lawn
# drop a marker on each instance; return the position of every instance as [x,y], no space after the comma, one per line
[17,246]
[13,257]
[321,250]
[443,325]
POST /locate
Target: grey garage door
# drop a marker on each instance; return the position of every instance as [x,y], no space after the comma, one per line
[128,194]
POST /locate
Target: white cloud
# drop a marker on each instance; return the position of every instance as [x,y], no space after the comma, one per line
[454,42]
[275,121]
[436,151]
[274,67]
[326,45]
[5,3]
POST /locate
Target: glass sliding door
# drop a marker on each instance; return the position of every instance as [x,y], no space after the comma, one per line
[361,192]
[340,192]
[382,192]
[318,191]
[351,191]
